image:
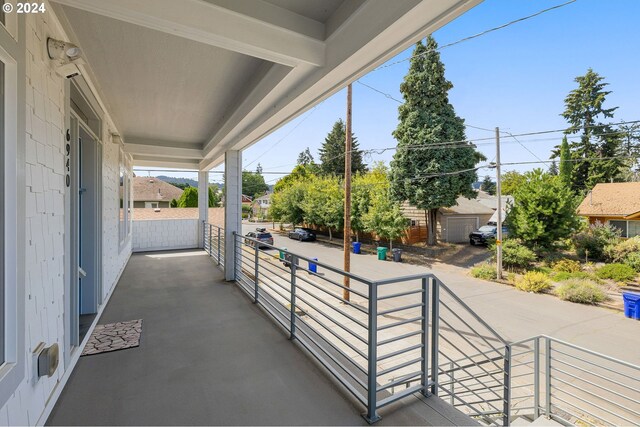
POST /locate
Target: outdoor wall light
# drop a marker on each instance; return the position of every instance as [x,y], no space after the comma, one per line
[66,56]
[45,360]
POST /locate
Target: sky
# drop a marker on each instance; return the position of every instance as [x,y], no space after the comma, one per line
[515,78]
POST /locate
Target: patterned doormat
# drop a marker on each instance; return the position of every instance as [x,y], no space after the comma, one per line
[113,336]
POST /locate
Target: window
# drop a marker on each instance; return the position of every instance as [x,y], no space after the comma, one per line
[627,228]
[125,200]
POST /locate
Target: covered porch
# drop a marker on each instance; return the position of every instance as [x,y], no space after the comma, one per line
[209,356]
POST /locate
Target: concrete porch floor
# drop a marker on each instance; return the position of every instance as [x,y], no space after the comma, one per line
[209,357]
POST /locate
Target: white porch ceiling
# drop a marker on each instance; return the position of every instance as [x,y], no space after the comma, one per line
[187,80]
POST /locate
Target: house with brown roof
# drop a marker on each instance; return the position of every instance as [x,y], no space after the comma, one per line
[616,204]
[150,192]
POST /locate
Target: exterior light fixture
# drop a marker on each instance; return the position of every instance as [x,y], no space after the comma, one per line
[66,56]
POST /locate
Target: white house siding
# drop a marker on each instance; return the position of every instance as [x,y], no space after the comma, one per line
[164,234]
[45,217]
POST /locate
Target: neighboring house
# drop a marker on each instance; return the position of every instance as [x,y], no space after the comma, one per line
[492,202]
[150,192]
[616,204]
[454,224]
[260,205]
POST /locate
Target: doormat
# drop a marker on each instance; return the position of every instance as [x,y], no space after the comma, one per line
[113,337]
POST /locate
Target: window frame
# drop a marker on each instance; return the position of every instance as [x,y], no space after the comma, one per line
[124,201]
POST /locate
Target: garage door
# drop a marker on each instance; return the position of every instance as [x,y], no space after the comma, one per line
[458,229]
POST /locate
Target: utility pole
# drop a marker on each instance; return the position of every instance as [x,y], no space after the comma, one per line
[347,199]
[499,210]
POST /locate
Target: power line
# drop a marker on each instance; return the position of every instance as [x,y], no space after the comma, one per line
[527,148]
[482,33]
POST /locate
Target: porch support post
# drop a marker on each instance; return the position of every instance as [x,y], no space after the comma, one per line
[203,205]
[232,208]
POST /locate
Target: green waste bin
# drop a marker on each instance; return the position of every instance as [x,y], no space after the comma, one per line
[382,253]
[282,252]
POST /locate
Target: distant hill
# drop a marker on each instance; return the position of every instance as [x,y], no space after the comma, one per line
[179,181]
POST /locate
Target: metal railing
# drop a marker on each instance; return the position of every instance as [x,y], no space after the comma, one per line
[213,239]
[383,342]
[572,385]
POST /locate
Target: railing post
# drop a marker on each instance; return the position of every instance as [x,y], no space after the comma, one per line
[210,237]
[452,386]
[424,379]
[435,328]
[372,364]
[536,378]
[506,418]
[547,356]
[292,326]
[255,275]
[237,250]
[218,245]
[204,233]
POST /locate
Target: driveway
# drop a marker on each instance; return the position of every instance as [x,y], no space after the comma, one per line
[514,314]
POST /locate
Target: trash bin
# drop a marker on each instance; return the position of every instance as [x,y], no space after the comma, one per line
[313,267]
[631,305]
[282,252]
[397,255]
[382,253]
[356,247]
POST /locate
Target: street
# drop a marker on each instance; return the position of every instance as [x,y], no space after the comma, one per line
[513,314]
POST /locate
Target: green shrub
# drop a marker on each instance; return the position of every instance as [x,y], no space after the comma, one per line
[534,281]
[592,242]
[484,271]
[561,276]
[581,291]
[567,266]
[633,261]
[516,255]
[618,252]
[617,272]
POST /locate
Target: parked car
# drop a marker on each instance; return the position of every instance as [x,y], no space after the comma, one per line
[262,236]
[486,234]
[302,234]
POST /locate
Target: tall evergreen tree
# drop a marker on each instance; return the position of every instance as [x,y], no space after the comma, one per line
[305,158]
[433,176]
[584,110]
[553,168]
[566,166]
[488,185]
[332,152]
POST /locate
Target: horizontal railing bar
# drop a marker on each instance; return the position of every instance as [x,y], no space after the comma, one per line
[402,322]
[481,362]
[521,353]
[400,366]
[286,297]
[594,353]
[404,279]
[400,294]
[599,386]
[473,330]
[304,258]
[624,408]
[287,279]
[398,352]
[326,316]
[584,411]
[591,403]
[284,324]
[341,286]
[473,362]
[395,310]
[338,297]
[563,421]
[353,376]
[402,380]
[343,313]
[485,355]
[591,363]
[475,391]
[400,395]
[399,337]
[345,342]
[471,312]
[597,375]
[330,344]
[335,373]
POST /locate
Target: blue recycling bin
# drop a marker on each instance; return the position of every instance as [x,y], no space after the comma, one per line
[356,247]
[631,305]
[313,267]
